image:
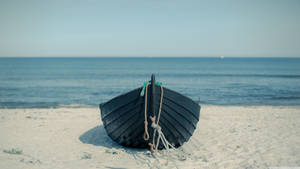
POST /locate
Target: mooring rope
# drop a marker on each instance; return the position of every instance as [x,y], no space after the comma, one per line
[155,123]
[146,134]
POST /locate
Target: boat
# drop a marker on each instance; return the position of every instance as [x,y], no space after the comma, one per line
[129,121]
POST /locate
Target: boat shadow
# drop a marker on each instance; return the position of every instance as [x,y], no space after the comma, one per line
[97,136]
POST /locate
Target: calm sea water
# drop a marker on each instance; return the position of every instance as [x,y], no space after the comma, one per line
[55,82]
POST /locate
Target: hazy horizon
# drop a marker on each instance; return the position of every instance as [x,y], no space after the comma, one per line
[151,57]
[140,28]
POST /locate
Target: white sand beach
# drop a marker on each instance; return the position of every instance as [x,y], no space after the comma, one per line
[74,138]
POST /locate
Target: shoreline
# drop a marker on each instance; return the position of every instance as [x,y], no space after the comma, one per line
[97,107]
[226,137]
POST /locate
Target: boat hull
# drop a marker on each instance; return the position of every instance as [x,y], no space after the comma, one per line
[123,117]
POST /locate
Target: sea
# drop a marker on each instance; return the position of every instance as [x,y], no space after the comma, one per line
[88,81]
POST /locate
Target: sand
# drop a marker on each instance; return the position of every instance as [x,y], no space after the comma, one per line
[74,138]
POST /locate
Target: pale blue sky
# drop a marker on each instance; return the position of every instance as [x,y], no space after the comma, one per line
[150,28]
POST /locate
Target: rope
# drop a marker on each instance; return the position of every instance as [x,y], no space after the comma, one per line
[146,134]
[145,91]
[152,145]
[161,137]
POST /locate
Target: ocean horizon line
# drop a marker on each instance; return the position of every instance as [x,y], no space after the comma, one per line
[185,57]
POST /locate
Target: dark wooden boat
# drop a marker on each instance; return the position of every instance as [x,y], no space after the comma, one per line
[123,116]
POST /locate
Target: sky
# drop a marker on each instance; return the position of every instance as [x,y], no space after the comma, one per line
[237,28]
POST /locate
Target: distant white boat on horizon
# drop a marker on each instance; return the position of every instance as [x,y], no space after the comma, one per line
[222,57]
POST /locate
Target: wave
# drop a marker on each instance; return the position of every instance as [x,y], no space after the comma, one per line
[179,74]
[286,98]
[11,105]
[75,106]
[229,75]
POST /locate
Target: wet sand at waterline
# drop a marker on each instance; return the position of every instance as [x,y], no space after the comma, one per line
[226,137]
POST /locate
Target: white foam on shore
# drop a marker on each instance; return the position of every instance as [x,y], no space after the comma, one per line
[74,106]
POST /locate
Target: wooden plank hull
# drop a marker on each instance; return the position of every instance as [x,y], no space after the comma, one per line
[123,117]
